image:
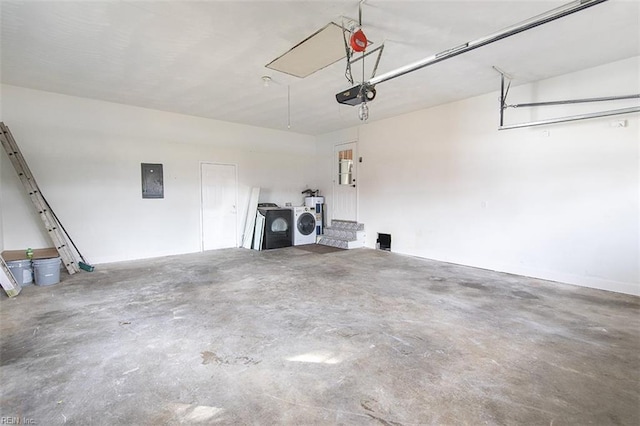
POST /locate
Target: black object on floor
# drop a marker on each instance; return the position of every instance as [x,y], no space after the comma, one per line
[384,242]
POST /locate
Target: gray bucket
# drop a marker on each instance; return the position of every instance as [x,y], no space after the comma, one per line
[21,271]
[46,271]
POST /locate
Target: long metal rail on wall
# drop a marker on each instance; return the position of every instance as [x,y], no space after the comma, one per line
[504,91]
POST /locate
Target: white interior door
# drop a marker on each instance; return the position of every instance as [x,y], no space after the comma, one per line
[345,191]
[219,200]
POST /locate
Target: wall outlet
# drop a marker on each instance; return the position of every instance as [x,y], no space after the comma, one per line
[618,123]
[545,133]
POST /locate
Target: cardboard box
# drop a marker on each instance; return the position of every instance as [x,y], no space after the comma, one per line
[45,253]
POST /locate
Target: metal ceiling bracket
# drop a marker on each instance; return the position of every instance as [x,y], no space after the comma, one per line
[347,72]
[503,93]
[378,49]
[503,106]
[353,61]
[528,24]
[352,25]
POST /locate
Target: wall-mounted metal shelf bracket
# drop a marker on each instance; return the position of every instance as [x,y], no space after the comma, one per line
[504,91]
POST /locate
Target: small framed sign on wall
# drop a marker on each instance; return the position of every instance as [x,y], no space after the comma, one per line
[152,181]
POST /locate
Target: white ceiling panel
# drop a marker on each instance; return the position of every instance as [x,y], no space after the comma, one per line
[318,51]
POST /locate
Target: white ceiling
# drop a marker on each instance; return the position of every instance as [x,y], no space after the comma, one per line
[207,58]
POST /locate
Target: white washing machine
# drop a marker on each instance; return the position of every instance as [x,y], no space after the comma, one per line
[304,225]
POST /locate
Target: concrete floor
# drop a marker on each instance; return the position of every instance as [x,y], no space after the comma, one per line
[294,337]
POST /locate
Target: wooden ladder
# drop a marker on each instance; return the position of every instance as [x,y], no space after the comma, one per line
[43,209]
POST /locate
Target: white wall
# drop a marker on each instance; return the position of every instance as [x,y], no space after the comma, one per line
[86,156]
[557,202]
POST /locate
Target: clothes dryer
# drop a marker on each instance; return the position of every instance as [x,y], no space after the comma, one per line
[278,227]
